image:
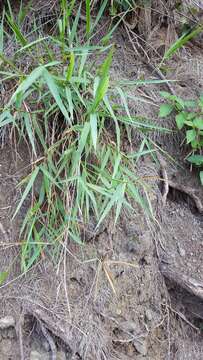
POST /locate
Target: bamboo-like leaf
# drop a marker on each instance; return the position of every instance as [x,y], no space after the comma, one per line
[116,165]
[99,15]
[81,145]
[182,41]
[93,126]
[55,93]
[124,101]
[70,101]
[27,83]
[32,179]
[6,118]
[70,69]
[29,129]
[88,17]
[91,195]
[19,36]
[73,33]
[3,276]
[2,34]
[114,198]
[104,81]
[111,112]
[31,44]
[120,203]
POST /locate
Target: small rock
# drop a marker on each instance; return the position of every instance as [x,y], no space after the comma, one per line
[6,322]
[61,355]
[11,333]
[35,355]
[4,334]
[148,315]
[181,251]
[6,346]
[131,246]
[45,345]
[141,346]
[148,259]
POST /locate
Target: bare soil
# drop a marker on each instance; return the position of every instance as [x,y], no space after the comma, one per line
[143,319]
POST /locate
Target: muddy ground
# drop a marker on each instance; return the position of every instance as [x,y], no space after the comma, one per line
[71,310]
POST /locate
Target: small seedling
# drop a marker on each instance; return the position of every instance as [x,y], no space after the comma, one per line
[189,116]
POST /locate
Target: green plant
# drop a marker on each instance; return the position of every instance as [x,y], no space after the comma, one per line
[189,116]
[66,112]
[118,6]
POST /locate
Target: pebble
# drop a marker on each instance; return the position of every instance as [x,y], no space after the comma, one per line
[45,345]
[148,315]
[181,251]
[7,322]
[35,355]
[61,355]
[141,346]
[11,333]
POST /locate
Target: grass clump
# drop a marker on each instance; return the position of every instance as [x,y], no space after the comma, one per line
[64,109]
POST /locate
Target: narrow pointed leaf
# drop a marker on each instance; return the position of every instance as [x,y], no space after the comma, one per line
[27,189]
[93,125]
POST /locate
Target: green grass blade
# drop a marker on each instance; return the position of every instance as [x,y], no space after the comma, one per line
[124,101]
[117,195]
[182,41]
[116,166]
[2,34]
[23,11]
[120,203]
[111,112]
[73,34]
[3,276]
[70,102]
[27,83]
[99,15]
[33,43]
[88,17]
[29,130]
[6,118]
[93,126]
[104,81]
[55,93]
[81,145]
[83,138]
[10,10]
[27,189]
[19,36]
[70,69]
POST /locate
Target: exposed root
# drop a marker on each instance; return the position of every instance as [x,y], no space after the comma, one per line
[164,177]
[46,323]
[189,192]
[171,184]
[182,316]
[188,283]
[49,338]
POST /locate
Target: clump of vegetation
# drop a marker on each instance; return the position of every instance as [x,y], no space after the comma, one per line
[65,111]
[189,117]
